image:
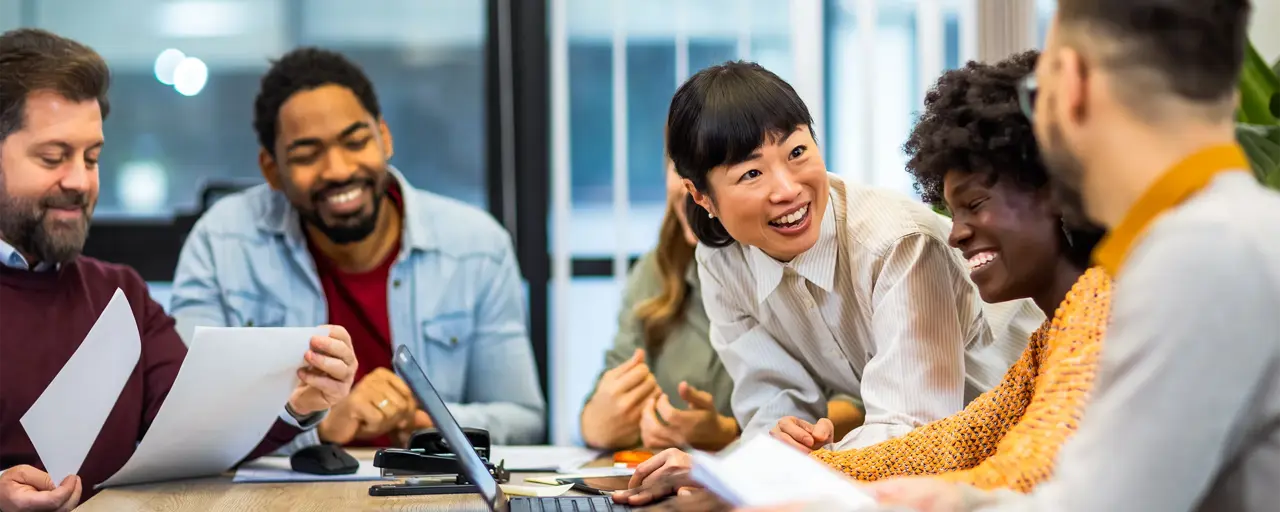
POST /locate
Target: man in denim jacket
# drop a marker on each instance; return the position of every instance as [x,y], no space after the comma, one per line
[338,236]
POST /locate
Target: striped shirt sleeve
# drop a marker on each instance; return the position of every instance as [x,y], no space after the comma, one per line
[917,373]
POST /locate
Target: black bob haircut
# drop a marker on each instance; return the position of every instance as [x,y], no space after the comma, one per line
[301,70]
[972,124]
[719,117]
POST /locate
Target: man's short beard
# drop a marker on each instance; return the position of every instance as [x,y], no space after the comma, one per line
[25,224]
[352,229]
[350,233]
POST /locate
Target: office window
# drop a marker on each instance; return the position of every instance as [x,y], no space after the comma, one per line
[868,128]
[716,31]
[10,15]
[1044,14]
[186,73]
[715,35]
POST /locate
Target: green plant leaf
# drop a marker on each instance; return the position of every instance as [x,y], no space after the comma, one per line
[1259,87]
[1262,145]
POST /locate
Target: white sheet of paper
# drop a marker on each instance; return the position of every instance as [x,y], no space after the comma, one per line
[764,472]
[277,469]
[231,388]
[87,388]
[535,491]
[542,458]
[582,473]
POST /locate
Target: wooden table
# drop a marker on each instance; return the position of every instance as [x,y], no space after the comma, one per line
[219,493]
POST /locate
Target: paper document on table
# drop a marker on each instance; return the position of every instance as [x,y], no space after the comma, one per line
[542,458]
[86,388]
[764,472]
[230,390]
[535,491]
[278,469]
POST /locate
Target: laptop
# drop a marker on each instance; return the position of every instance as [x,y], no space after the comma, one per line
[472,467]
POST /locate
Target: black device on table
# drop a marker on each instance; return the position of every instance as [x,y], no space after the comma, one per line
[602,485]
[323,459]
[475,470]
[428,456]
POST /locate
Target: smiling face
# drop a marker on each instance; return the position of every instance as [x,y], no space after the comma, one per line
[332,162]
[775,199]
[49,177]
[1010,236]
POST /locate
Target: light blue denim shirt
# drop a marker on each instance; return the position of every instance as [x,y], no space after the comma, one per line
[10,257]
[454,298]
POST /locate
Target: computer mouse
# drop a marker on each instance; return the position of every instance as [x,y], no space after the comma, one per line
[324,459]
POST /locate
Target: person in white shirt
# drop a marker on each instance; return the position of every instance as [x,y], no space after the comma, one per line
[814,286]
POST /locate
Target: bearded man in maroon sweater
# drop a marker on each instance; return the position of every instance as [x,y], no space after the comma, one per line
[52,103]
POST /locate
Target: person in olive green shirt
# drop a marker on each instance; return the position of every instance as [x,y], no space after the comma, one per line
[663,384]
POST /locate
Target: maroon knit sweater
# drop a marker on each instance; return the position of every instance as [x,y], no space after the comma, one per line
[44,316]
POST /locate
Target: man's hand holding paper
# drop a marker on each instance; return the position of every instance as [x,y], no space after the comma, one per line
[328,375]
[24,488]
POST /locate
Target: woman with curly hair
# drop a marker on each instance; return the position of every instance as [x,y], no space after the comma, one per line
[973,151]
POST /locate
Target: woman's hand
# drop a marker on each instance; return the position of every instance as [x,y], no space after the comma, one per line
[802,435]
[664,426]
[660,465]
[611,419]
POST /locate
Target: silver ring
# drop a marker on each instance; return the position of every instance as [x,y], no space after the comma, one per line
[383,403]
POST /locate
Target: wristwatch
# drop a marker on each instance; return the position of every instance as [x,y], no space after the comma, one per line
[307,421]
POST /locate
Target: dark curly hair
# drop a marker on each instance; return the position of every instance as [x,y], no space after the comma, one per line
[972,123]
[300,70]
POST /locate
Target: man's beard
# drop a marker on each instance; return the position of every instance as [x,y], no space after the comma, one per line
[27,226]
[353,228]
[1066,175]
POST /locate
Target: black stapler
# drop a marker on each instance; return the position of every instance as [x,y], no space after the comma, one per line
[428,456]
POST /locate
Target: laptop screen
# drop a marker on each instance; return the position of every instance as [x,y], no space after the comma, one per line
[472,467]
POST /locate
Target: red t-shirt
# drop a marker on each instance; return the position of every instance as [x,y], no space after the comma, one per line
[358,302]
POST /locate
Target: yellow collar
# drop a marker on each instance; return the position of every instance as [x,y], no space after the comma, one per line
[1175,186]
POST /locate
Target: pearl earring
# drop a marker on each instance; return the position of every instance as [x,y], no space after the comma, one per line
[711,215]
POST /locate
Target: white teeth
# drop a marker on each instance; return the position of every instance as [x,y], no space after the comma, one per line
[350,195]
[981,259]
[792,217]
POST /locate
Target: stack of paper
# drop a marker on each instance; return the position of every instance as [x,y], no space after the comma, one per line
[764,472]
[232,386]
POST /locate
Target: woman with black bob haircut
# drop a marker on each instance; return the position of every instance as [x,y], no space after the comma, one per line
[816,287]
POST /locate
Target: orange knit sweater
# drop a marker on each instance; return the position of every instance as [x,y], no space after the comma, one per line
[1009,436]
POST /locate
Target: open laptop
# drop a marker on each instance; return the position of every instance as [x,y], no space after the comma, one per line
[472,467]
